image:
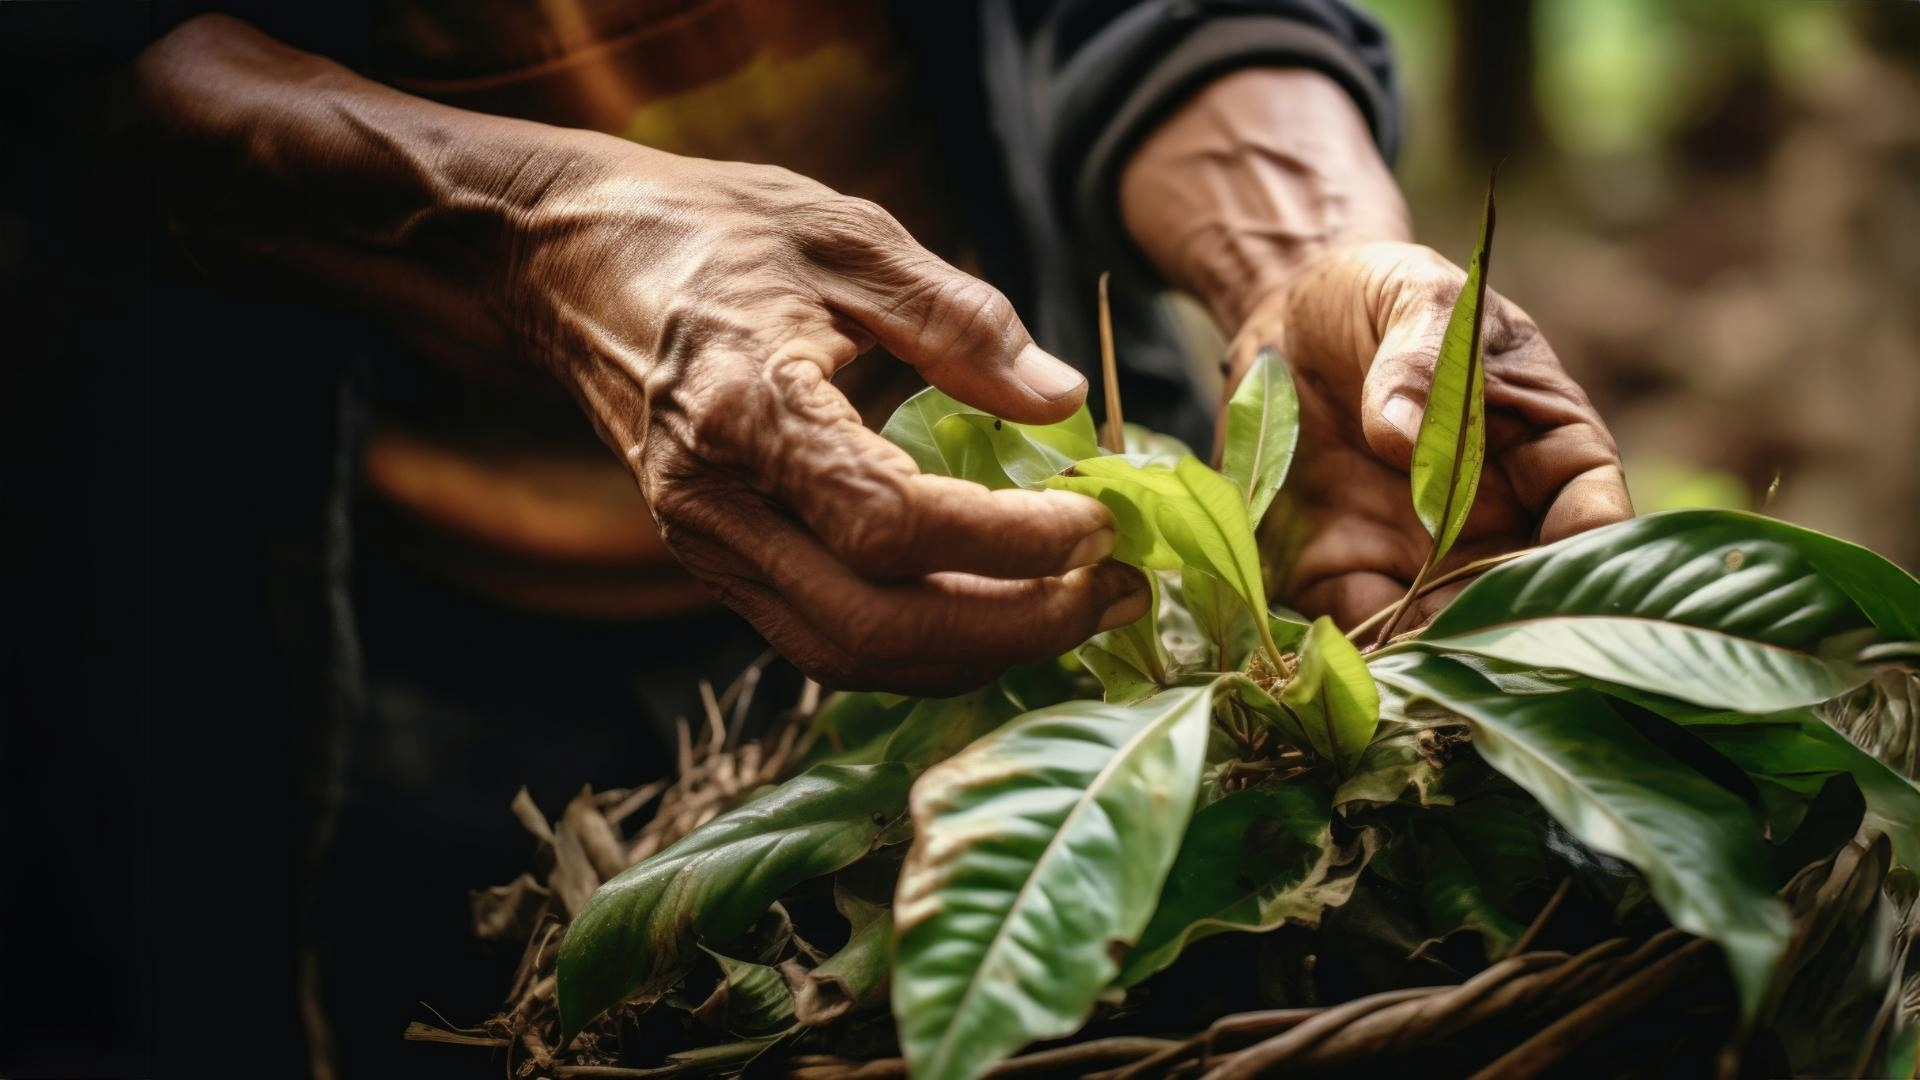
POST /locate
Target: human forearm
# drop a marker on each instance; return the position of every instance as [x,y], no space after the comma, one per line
[279,164]
[1239,188]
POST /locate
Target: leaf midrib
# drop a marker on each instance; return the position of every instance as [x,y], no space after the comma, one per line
[1052,847]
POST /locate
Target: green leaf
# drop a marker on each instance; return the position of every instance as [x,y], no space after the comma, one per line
[1222,619]
[637,936]
[1035,852]
[1263,424]
[1147,446]
[1705,667]
[1131,661]
[1699,846]
[1333,696]
[1188,515]
[853,978]
[938,728]
[1452,444]
[947,438]
[1476,857]
[1741,574]
[1250,861]
[751,999]
[1802,756]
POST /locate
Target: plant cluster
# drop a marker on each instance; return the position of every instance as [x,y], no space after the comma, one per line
[1648,711]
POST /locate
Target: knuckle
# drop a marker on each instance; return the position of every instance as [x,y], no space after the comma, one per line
[962,310]
[879,540]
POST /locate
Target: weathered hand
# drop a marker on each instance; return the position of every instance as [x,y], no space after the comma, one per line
[699,311]
[1361,327]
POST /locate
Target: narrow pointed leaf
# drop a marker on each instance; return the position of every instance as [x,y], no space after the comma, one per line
[1738,573]
[1704,667]
[1333,695]
[1263,424]
[1699,846]
[639,933]
[1038,852]
[1452,444]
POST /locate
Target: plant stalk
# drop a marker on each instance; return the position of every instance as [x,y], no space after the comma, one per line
[1113,435]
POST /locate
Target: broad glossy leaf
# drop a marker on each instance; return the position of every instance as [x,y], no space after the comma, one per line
[1705,667]
[1802,756]
[1452,445]
[637,936]
[1396,762]
[1249,861]
[1035,851]
[1263,424]
[1699,847]
[1188,515]
[968,453]
[1333,696]
[1741,574]
[938,728]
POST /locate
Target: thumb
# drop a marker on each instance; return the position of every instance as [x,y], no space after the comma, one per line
[1394,396]
[964,337]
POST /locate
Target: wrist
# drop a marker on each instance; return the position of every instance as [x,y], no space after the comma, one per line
[1244,186]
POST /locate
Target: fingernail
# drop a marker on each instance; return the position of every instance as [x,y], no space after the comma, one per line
[1050,378]
[1091,549]
[1126,609]
[1404,414]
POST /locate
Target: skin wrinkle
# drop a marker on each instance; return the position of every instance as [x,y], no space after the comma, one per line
[1360,313]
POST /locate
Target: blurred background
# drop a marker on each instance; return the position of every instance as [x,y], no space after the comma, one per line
[1712,207]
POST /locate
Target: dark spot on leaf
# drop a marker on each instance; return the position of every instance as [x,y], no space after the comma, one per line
[997,425]
[1733,559]
[1117,951]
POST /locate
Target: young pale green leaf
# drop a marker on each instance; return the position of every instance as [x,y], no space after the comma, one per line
[1188,515]
[947,438]
[1699,846]
[1452,444]
[853,978]
[637,936]
[1152,447]
[1035,851]
[1131,661]
[751,1000]
[1333,696]
[1250,861]
[1224,622]
[1705,667]
[1262,426]
[1741,574]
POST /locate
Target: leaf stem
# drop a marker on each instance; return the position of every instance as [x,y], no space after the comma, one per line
[1478,566]
[1113,437]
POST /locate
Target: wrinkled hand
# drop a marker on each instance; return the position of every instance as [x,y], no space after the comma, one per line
[1361,328]
[699,310]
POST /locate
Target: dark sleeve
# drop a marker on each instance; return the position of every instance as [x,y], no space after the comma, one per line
[1113,69]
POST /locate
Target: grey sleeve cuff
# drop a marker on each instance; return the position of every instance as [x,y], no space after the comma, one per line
[1090,186]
